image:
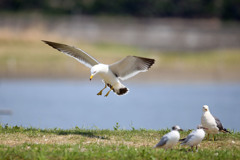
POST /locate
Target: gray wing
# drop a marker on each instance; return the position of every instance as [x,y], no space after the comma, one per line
[162,142]
[219,124]
[187,138]
[76,53]
[130,66]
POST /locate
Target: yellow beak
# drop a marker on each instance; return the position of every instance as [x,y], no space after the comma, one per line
[91,77]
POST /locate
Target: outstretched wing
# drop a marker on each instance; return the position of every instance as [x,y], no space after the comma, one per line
[130,66]
[76,53]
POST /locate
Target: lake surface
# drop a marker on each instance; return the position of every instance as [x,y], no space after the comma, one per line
[66,104]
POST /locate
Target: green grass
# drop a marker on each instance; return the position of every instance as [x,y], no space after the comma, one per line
[32,143]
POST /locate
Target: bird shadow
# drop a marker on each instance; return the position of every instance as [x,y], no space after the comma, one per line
[88,134]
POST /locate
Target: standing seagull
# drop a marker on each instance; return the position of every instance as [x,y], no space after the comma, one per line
[213,124]
[170,139]
[111,74]
[195,137]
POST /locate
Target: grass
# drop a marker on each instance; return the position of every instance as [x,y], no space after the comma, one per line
[32,143]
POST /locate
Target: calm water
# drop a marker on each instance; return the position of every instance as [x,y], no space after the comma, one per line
[66,104]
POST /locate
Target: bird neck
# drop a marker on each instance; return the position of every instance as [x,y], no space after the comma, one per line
[103,68]
[207,113]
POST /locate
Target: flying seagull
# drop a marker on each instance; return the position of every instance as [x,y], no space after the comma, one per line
[170,139]
[195,137]
[213,124]
[111,74]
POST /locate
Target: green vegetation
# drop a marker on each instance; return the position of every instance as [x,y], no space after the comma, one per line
[32,143]
[223,9]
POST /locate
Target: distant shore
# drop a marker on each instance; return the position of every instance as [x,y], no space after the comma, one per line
[166,34]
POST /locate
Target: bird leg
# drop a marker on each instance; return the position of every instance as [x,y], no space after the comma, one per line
[208,137]
[213,137]
[100,93]
[108,92]
[196,148]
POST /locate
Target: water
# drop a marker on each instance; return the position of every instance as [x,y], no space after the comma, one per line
[66,104]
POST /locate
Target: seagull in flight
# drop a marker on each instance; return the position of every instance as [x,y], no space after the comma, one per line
[213,124]
[170,139]
[112,74]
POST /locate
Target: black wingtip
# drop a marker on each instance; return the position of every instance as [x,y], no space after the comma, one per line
[226,131]
[149,62]
[181,140]
[48,42]
[54,44]
[44,41]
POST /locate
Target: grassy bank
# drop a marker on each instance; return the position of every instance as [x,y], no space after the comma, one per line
[31,143]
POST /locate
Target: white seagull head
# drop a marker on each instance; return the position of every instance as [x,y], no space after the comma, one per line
[98,68]
[176,128]
[205,108]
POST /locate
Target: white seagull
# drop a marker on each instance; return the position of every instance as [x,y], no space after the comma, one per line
[170,139]
[194,138]
[111,74]
[213,124]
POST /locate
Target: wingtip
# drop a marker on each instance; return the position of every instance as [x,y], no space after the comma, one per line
[44,41]
[148,61]
[52,44]
[151,62]
[47,42]
[226,131]
[181,140]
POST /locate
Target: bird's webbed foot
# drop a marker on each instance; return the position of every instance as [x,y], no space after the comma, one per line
[100,92]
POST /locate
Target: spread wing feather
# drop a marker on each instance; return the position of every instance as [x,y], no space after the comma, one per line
[130,66]
[74,52]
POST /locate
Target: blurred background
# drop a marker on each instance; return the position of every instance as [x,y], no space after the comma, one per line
[196,44]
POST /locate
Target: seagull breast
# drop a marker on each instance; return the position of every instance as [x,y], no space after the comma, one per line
[208,121]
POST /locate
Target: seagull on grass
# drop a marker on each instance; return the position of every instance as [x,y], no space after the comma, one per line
[111,74]
[195,137]
[213,124]
[170,139]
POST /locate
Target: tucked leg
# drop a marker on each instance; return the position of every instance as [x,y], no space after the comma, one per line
[100,93]
[109,92]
